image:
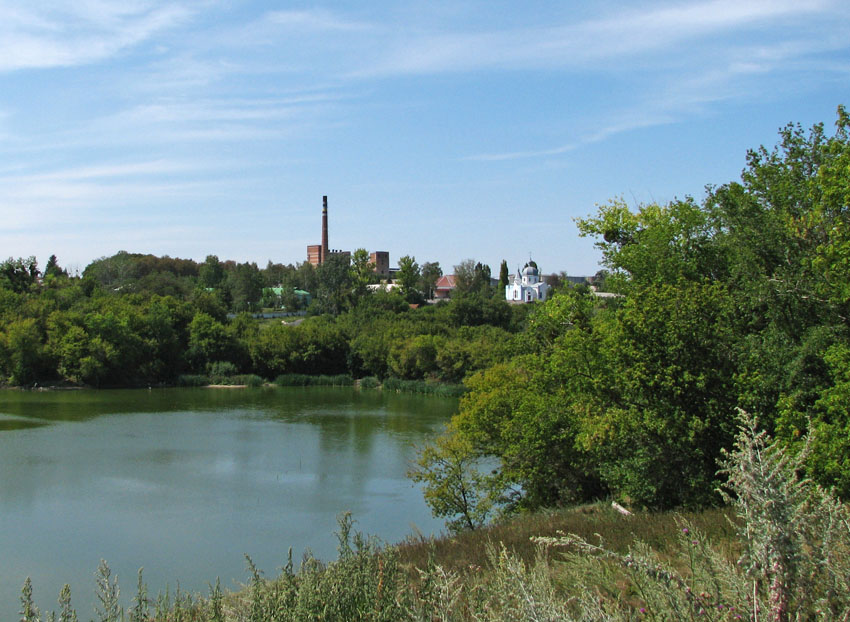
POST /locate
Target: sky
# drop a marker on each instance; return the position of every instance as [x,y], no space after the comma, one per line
[444,130]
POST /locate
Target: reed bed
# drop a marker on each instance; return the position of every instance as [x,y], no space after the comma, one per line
[307,380]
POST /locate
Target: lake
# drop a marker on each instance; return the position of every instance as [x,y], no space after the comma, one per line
[185,482]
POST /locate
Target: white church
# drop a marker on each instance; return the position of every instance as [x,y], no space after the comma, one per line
[527,286]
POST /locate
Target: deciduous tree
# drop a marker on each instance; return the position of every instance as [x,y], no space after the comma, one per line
[408,276]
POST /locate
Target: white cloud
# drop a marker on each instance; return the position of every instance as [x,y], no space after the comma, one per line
[620,36]
[70,34]
[314,20]
[627,121]
[518,155]
[105,171]
[204,120]
[712,60]
[30,197]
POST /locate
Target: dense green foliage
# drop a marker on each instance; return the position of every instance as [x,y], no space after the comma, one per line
[741,300]
[135,320]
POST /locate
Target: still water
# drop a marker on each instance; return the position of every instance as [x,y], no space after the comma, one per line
[185,482]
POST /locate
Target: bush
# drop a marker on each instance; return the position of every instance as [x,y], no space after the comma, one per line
[292,380]
[193,380]
[369,382]
[221,368]
[250,380]
[795,542]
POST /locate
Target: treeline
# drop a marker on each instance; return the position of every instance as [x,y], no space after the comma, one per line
[137,320]
[740,301]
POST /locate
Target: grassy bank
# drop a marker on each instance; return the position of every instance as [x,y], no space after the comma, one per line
[779,551]
[658,530]
[422,387]
[374,581]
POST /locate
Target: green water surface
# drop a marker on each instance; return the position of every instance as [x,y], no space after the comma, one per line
[185,482]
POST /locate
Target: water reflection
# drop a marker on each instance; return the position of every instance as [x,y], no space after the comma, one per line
[184,482]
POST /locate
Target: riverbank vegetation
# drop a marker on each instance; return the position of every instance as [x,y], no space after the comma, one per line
[106,329]
[738,300]
[780,551]
[741,300]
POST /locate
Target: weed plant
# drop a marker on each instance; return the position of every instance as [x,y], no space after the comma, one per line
[790,561]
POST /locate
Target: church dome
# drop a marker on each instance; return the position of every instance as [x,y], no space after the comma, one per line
[530,269]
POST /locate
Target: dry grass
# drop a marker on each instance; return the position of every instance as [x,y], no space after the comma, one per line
[658,530]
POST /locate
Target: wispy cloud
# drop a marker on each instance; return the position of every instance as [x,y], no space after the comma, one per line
[28,196]
[213,119]
[717,64]
[78,33]
[628,121]
[102,171]
[315,20]
[580,45]
[519,155]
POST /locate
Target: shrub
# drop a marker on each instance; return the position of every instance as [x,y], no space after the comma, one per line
[369,382]
[193,380]
[292,380]
[251,380]
[222,368]
[795,564]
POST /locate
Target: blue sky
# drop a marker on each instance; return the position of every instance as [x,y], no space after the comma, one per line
[442,130]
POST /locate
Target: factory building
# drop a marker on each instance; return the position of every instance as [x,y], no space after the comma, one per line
[317,254]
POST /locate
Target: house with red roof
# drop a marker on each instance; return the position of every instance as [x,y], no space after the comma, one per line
[444,287]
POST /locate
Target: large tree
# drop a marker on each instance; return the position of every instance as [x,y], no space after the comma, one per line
[245,284]
[334,285]
[740,300]
[362,272]
[430,274]
[18,275]
[408,276]
[503,278]
[211,272]
[472,277]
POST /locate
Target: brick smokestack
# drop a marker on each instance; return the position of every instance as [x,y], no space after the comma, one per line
[324,229]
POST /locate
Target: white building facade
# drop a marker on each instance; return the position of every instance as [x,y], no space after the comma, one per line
[527,286]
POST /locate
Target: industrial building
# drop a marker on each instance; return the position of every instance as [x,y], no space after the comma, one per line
[317,254]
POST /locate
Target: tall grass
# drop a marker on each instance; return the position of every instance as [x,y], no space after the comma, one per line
[421,386]
[306,380]
[200,380]
[783,555]
[193,380]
